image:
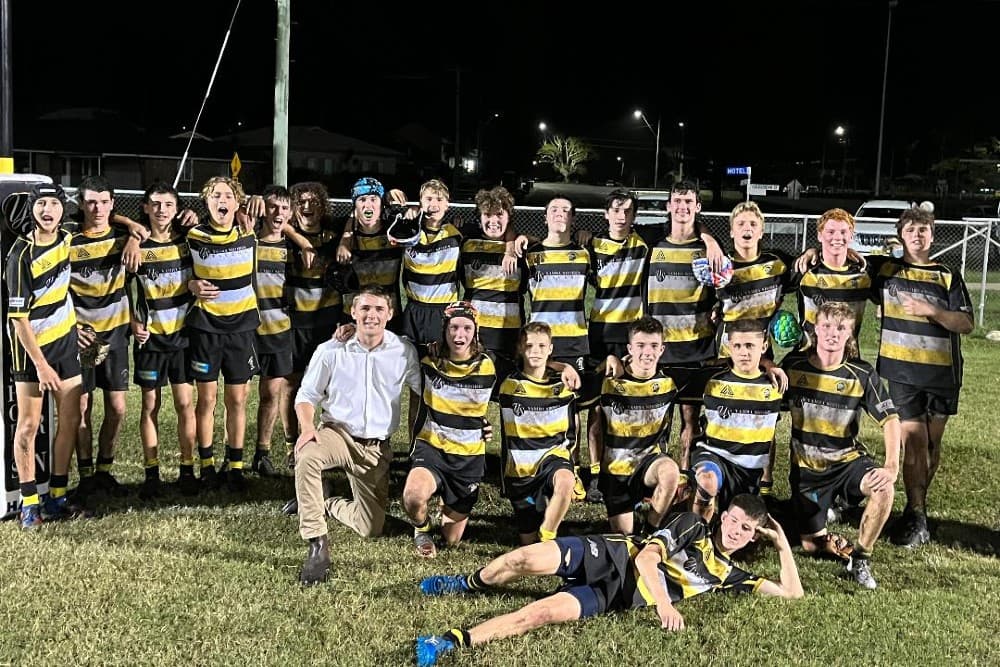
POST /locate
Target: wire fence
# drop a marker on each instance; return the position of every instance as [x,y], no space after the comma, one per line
[970,246]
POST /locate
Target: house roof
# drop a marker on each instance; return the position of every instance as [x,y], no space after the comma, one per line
[311,138]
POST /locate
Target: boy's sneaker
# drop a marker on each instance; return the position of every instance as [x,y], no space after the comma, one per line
[424,544]
[444,584]
[912,531]
[431,647]
[151,488]
[860,570]
[209,478]
[188,484]
[594,494]
[105,482]
[264,466]
[57,509]
[236,481]
[31,516]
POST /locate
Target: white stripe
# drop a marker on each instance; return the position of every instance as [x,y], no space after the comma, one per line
[750,462]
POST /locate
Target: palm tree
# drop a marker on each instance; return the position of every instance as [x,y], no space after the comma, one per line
[566,155]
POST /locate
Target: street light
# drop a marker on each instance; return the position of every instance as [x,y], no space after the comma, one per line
[621,175]
[681,172]
[639,115]
[841,134]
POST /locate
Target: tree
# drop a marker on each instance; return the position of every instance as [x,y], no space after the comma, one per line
[567,155]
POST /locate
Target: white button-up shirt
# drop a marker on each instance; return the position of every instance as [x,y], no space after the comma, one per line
[358,388]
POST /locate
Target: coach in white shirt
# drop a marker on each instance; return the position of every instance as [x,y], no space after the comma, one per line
[357,386]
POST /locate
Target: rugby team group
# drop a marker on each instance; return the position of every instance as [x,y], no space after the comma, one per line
[275,286]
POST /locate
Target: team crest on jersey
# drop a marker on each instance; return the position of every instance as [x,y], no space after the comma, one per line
[724,411]
[853,283]
[204,252]
[893,290]
[769,269]
[841,386]
[150,256]
[727,391]
[821,282]
[661,256]
[476,264]
[151,272]
[619,387]
[767,393]
[557,388]
[655,388]
[82,253]
[48,281]
[437,382]
[803,381]
[617,407]
[661,275]
[43,263]
[517,408]
[87,271]
[572,256]
[519,389]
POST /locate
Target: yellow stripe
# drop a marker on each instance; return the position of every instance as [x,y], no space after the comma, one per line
[825,383]
[739,435]
[451,447]
[912,355]
[225,271]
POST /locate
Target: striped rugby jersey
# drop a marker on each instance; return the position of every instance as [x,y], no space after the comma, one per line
[431,267]
[850,284]
[376,262]
[38,288]
[757,288]
[537,416]
[824,406]
[226,258]
[557,288]
[617,270]
[314,304]
[914,350]
[637,416]
[740,416]
[455,399]
[681,304]
[499,298]
[162,300]
[275,331]
[97,282]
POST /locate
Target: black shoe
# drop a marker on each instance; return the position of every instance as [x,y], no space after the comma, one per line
[64,508]
[189,485]
[86,488]
[291,508]
[236,481]
[151,488]
[263,465]
[317,564]
[912,531]
[209,478]
[594,494]
[105,482]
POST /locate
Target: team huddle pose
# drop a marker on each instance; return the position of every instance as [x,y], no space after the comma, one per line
[274,286]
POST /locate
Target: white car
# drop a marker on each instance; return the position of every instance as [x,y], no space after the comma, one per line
[875,228]
[652,207]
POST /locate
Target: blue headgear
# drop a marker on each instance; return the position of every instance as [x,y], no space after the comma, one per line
[367,186]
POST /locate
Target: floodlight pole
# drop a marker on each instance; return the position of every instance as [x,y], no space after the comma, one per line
[279,139]
[881,120]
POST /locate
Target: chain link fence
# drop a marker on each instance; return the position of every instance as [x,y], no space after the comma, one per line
[970,246]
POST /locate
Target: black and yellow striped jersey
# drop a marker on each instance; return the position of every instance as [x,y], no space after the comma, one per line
[376,262]
[740,416]
[97,282]
[757,288]
[274,333]
[681,304]
[455,398]
[38,279]
[850,284]
[226,258]
[617,270]
[824,406]
[498,297]
[637,416]
[914,350]
[690,563]
[314,304]
[557,289]
[161,300]
[431,267]
[537,416]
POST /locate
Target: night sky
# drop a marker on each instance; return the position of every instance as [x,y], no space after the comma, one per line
[750,84]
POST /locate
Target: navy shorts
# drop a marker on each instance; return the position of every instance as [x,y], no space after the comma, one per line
[234,355]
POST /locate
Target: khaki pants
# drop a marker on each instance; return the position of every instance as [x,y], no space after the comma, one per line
[367,470]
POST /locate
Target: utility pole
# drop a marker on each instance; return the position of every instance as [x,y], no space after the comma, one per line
[279,153]
[458,114]
[6,92]
[881,119]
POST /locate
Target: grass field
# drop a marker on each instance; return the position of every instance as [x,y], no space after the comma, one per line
[213,581]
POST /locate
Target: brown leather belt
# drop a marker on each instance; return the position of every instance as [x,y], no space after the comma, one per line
[364,442]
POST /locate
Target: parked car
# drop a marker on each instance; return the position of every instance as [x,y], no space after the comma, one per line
[652,207]
[875,229]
